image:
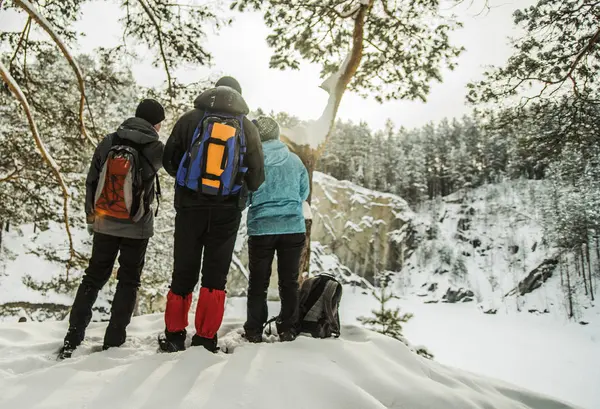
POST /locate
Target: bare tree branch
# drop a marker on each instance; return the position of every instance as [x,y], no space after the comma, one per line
[593,40]
[11,175]
[160,45]
[45,24]
[16,90]
[21,39]
[486,7]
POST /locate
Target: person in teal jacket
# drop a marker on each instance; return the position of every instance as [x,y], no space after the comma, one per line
[276,224]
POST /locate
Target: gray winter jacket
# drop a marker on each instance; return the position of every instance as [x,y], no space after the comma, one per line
[143,134]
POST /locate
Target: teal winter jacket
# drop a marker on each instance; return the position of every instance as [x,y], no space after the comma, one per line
[276,207]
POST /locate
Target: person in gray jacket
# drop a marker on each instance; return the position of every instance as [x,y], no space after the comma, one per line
[114,232]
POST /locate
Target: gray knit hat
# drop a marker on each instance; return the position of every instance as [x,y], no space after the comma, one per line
[268,129]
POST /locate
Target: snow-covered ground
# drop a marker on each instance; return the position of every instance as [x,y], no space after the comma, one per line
[543,353]
[361,370]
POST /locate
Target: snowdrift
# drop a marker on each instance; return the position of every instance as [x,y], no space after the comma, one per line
[361,370]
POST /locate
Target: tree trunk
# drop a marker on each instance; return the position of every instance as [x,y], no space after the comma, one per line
[1,232]
[309,159]
[597,240]
[48,159]
[582,271]
[43,23]
[589,264]
[569,294]
[136,308]
[562,278]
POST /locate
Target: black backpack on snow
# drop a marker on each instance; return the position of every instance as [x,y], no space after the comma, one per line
[319,306]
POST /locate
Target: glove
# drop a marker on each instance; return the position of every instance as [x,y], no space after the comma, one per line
[90,223]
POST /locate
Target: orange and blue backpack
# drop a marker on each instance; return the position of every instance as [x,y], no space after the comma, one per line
[214,163]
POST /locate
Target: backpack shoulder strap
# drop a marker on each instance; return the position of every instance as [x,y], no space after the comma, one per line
[116,140]
[157,191]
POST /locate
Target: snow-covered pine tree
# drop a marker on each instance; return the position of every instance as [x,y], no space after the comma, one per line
[376,163]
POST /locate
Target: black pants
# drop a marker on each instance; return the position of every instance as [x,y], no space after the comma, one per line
[261,250]
[197,230]
[132,253]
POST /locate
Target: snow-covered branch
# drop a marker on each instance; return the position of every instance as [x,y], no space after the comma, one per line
[45,24]
[18,93]
[351,12]
[315,133]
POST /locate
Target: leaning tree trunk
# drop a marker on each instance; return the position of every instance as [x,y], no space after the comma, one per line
[336,89]
[34,14]
[47,158]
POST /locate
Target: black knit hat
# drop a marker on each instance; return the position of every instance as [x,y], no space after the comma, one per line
[229,82]
[150,110]
[268,129]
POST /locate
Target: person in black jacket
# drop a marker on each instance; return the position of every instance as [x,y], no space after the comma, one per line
[205,225]
[112,237]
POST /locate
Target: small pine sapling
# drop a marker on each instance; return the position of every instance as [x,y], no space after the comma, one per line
[388,321]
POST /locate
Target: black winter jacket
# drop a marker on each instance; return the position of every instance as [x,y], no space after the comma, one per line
[143,134]
[219,99]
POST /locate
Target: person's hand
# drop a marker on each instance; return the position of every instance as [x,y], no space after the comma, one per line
[89,219]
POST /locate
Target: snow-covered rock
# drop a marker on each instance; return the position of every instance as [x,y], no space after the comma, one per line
[369,231]
[326,255]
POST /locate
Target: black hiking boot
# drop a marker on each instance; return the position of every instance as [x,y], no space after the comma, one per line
[72,340]
[253,337]
[66,351]
[210,344]
[287,336]
[172,341]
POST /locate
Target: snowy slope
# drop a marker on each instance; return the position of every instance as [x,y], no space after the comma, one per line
[539,353]
[361,370]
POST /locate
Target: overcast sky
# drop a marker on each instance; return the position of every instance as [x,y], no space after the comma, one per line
[241,51]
